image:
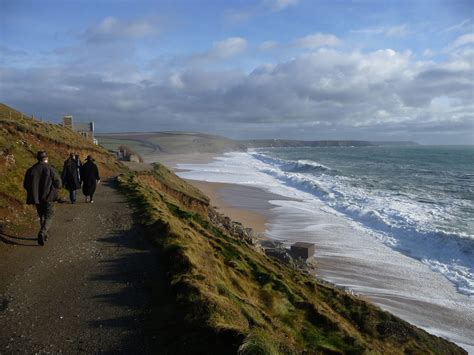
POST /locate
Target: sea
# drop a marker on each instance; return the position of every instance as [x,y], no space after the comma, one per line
[393,223]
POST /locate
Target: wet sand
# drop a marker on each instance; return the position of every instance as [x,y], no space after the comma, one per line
[245,204]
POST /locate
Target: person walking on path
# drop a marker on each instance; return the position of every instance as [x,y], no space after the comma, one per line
[42,183]
[71,177]
[90,178]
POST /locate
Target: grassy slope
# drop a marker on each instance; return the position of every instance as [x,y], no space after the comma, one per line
[20,139]
[251,302]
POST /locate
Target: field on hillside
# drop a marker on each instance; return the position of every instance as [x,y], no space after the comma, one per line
[170,143]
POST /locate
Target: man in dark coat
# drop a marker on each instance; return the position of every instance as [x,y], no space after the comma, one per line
[42,183]
[71,176]
[90,178]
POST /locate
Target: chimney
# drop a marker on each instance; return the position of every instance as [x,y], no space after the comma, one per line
[68,122]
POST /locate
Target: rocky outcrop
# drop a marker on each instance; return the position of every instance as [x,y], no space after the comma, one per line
[235,229]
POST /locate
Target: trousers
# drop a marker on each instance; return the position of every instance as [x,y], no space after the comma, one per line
[45,212]
[72,195]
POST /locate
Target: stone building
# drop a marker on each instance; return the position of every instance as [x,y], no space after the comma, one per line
[85,129]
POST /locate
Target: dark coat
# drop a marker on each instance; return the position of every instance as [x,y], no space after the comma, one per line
[90,175]
[42,183]
[71,175]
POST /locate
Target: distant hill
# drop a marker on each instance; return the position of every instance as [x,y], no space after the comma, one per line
[20,138]
[395,143]
[261,143]
[169,142]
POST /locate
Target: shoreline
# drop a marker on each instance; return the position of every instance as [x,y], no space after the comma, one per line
[221,197]
[334,259]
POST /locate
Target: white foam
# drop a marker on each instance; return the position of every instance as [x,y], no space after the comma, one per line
[367,262]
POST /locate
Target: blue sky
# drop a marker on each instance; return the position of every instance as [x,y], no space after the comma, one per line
[247,69]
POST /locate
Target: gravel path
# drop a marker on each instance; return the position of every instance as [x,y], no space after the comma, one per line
[88,290]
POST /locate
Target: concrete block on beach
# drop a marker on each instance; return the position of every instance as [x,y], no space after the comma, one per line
[302,250]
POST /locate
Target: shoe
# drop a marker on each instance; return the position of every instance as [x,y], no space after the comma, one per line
[40,239]
[87,199]
[91,201]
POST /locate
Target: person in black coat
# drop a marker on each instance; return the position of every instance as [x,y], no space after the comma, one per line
[71,176]
[90,177]
[42,183]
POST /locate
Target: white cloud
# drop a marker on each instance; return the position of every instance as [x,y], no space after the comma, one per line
[262,8]
[278,5]
[317,40]
[397,31]
[392,31]
[227,48]
[268,45]
[459,26]
[463,40]
[112,28]
[218,51]
[428,52]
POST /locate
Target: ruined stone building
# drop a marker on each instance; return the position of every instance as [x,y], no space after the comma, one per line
[85,129]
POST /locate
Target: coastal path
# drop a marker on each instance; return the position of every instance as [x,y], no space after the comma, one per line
[93,287]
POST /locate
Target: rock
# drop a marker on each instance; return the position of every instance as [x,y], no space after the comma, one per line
[280,254]
[269,243]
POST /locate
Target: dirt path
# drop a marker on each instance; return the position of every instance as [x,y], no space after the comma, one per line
[88,290]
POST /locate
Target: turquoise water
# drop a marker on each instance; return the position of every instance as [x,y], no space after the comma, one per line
[420,198]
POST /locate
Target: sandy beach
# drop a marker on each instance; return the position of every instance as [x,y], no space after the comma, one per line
[247,205]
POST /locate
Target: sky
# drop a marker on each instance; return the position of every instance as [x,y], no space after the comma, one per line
[294,69]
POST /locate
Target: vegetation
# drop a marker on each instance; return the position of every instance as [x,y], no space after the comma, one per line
[229,290]
[20,138]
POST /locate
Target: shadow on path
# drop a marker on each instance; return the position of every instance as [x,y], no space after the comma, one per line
[13,240]
[147,313]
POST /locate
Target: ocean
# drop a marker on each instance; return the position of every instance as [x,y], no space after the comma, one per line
[400,218]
